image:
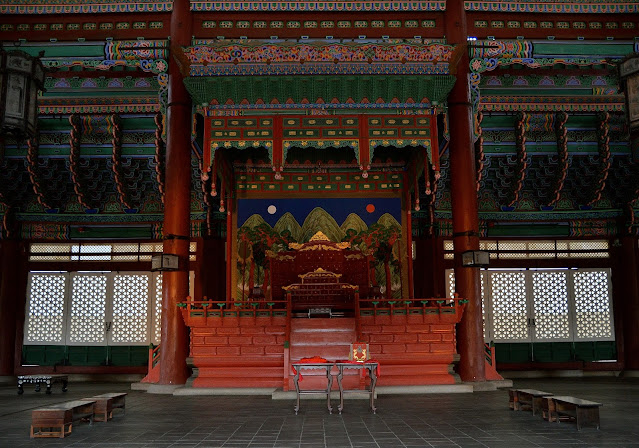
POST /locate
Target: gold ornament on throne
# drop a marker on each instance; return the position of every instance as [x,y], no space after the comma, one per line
[320,238]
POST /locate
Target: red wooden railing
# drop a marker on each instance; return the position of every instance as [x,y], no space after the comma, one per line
[224,307]
[453,306]
[153,374]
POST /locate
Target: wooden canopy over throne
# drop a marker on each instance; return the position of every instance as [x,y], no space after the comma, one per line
[320,273]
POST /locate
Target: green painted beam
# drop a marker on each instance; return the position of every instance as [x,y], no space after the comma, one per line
[537,229]
[93,50]
[298,88]
[538,91]
[575,121]
[110,232]
[599,50]
[135,151]
[129,123]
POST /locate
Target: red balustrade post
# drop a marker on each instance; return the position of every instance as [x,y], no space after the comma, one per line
[177,207]
[12,297]
[470,340]
[626,288]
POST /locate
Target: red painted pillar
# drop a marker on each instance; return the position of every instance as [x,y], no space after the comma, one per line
[11,296]
[626,289]
[177,206]
[470,340]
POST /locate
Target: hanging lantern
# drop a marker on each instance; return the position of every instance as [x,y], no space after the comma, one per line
[21,77]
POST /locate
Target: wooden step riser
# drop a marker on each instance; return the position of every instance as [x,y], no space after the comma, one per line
[328,337]
[321,324]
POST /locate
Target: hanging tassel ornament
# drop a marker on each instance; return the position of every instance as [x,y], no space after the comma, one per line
[417,208]
[278,172]
[222,208]
[214,177]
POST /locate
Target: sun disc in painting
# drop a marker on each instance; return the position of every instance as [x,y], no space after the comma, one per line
[370,208]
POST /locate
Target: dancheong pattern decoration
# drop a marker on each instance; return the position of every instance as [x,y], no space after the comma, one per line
[324,87]
[82,6]
[247,57]
[278,134]
[114,6]
[136,49]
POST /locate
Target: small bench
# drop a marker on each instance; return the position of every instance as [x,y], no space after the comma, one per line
[48,380]
[520,398]
[106,403]
[584,412]
[57,420]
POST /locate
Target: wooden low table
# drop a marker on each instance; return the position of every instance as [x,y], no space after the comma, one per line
[57,420]
[48,380]
[370,367]
[327,366]
[528,397]
[106,403]
[584,412]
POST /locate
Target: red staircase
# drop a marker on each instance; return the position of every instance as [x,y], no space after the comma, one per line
[329,338]
[153,376]
[491,365]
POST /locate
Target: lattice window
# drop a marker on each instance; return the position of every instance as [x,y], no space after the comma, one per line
[121,252]
[39,252]
[451,282]
[88,309]
[489,246]
[513,245]
[157,324]
[550,301]
[482,281]
[130,308]
[595,248]
[84,250]
[592,305]
[150,247]
[538,249]
[510,311]
[545,248]
[589,245]
[46,308]
[449,247]
[192,250]
[450,289]
[129,249]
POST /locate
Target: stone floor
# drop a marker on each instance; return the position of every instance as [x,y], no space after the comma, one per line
[480,419]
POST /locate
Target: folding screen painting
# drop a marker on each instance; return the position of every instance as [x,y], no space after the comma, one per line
[266,227]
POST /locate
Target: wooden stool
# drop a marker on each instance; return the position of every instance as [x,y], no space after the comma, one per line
[57,420]
[548,412]
[583,412]
[106,403]
[512,399]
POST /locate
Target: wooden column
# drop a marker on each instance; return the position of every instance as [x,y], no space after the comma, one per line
[177,206]
[11,297]
[212,271]
[429,267]
[470,341]
[626,289]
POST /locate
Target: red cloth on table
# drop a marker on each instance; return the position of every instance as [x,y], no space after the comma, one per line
[312,360]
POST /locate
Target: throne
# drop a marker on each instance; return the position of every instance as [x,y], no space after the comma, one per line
[320,273]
